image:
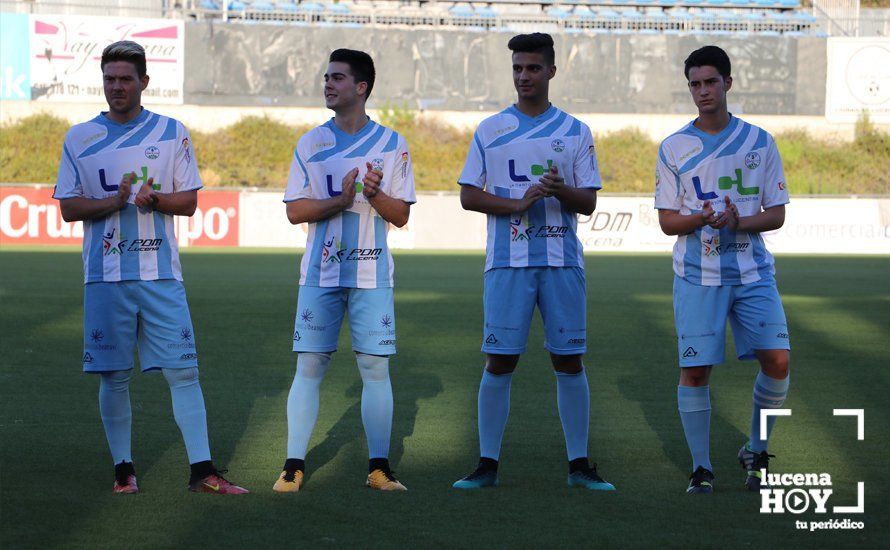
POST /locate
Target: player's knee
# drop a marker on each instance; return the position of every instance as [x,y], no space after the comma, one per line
[313,365]
[567,364]
[178,378]
[695,376]
[501,364]
[776,364]
[117,380]
[372,368]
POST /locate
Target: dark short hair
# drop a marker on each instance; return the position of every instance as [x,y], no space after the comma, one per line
[360,63]
[537,42]
[711,56]
[125,50]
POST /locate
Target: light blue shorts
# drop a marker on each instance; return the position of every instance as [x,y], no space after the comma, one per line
[153,315]
[372,321]
[754,311]
[509,299]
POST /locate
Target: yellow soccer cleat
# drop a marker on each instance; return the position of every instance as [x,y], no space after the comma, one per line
[289,481]
[383,480]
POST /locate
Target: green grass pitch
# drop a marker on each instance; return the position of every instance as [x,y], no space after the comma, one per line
[56,476]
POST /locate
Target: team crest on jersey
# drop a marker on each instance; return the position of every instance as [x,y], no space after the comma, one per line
[152,152]
[377,164]
[331,254]
[752,160]
[558,145]
[520,229]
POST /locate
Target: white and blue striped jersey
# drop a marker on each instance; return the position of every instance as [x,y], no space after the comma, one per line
[742,161]
[509,153]
[349,249]
[133,243]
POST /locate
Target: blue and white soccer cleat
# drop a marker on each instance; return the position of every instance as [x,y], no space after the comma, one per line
[481,477]
[589,479]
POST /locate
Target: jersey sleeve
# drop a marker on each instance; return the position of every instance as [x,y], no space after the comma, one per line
[68,182]
[667,183]
[776,191]
[474,168]
[298,178]
[185,170]
[587,171]
[402,186]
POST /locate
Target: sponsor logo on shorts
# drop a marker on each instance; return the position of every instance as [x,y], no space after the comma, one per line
[578,340]
[690,352]
[491,339]
[386,343]
[187,356]
[87,358]
[783,335]
[185,334]
[563,330]
[297,336]
[181,345]
[306,315]
[96,335]
[502,327]
[386,320]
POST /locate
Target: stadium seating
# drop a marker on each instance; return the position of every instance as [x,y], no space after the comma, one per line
[765,17]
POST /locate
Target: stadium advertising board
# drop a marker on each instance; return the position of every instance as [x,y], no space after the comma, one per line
[30,215]
[858,79]
[15,79]
[65,54]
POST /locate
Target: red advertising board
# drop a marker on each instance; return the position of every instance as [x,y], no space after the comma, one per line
[30,215]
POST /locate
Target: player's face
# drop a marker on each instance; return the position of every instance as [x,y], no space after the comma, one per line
[340,88]
[123,87]
[708,89]
[531,75]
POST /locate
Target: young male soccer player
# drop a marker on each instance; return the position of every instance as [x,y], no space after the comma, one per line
[719,185]
[347,265]
[126,173]
[532,168]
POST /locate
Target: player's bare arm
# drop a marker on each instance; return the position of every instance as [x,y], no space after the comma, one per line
[674,223]
[580,201]
[479,200]
[81,208]
[183,203]
[316,210]
[394,211]
[767,220]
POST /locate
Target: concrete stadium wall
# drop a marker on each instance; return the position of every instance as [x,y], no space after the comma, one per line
[280,65]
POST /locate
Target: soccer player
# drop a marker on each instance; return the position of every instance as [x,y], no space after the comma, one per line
[125,174]
[532,168]
[719,185]
[349,179]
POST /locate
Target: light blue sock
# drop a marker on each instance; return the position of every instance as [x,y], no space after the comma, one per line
[189,411]
[302,401]
[494,408]
[695,413]
[573,400]
[376,403]
[117,416]
[769,393]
